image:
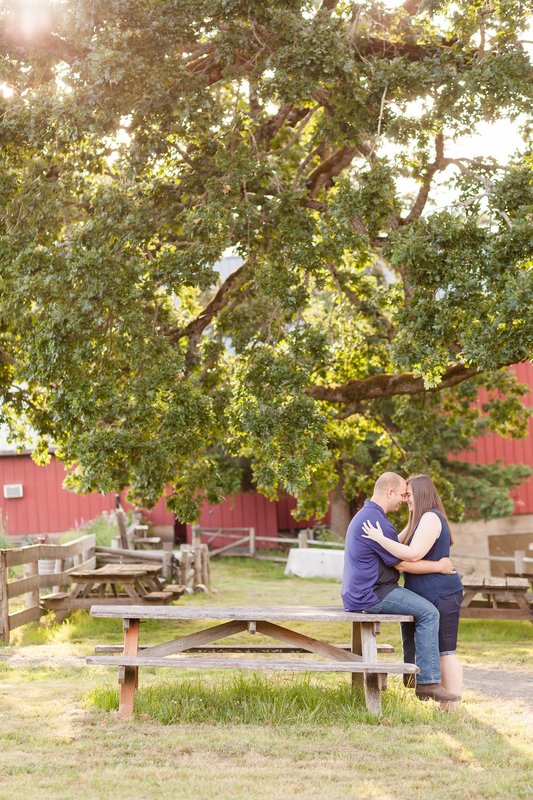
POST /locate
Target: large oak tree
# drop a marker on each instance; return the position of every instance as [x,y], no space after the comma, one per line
[385,276]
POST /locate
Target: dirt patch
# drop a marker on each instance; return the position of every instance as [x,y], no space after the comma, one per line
[512,685]
[16,660]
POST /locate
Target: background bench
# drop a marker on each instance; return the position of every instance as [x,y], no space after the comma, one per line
[496,598]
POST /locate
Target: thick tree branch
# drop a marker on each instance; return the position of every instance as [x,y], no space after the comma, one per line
[196,327]
[412,6]
[322,176]
[327,6]
[438,164]
[299,130]
[378,386]
[6,358]
[267,131]
[363,305]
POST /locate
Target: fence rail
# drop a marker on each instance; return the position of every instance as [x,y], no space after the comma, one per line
[37,576]
[250,539]
[247,538]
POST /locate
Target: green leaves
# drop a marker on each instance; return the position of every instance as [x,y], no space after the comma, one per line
[143,142]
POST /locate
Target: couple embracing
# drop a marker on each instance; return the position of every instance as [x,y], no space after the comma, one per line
[374,558]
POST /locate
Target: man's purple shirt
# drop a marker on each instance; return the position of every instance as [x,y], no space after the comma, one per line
[369,573]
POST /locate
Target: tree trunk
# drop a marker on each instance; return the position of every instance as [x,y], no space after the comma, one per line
[340,511]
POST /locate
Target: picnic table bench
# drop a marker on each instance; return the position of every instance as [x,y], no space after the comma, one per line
[501,598]
[361,661]
[119,584]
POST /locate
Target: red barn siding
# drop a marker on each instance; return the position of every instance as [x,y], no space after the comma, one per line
[244,510]
[158,515]
[286,522]
[45,507]
[490,448]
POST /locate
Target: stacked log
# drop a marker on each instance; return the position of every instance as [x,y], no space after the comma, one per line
[187,568]
[193,567]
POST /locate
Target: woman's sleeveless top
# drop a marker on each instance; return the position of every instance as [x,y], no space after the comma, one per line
[436,584]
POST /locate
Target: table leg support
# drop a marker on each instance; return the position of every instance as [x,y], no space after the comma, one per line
[369,652]
[358,678]
[128,677]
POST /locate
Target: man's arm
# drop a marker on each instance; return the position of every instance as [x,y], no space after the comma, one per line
[425,567]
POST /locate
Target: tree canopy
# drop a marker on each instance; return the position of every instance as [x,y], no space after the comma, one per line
[385,276]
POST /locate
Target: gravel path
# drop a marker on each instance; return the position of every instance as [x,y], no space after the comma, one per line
[510,685]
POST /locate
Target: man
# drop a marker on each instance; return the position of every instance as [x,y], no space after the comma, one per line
[370,582]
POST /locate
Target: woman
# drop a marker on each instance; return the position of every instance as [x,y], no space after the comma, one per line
[428,536]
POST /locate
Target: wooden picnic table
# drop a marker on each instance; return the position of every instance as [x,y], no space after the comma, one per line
[136,580]
[361,661]
[496,598]
[111,583]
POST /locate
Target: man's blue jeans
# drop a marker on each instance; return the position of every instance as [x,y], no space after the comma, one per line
[403,601]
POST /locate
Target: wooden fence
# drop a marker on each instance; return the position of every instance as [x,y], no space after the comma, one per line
[38,574]
[243,541]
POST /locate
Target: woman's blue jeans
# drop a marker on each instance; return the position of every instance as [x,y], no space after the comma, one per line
[426,616]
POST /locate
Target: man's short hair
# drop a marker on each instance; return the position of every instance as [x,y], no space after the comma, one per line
[389,480]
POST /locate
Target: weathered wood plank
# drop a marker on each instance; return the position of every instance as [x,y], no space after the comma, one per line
[85,544]
[496,584]
[517,583]
[21,555]
[31,573]
[157,597]
[194,639]
[4,599]
[356,647]
[131,555]
[245,613]
[243,540]
[191,662]
[306,642]
[61,578]
[89,563]
[72,603]
[23,617]
[238,648]
[23,585]
[129,674]
[372,681]
[33,552]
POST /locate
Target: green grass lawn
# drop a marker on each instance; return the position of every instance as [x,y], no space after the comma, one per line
[237,735]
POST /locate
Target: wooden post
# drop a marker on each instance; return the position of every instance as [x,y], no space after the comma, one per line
[32,598]
[369,651]
[252,542]
[121,522]
[302,539]
[197,555]
[167,561]
[185,565]
[356,647]
[519,556]
[196,536]
[59,566]
[128,676]
[4,599]
[206,566]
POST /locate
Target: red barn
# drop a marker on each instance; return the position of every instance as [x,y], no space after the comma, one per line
[490,447]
